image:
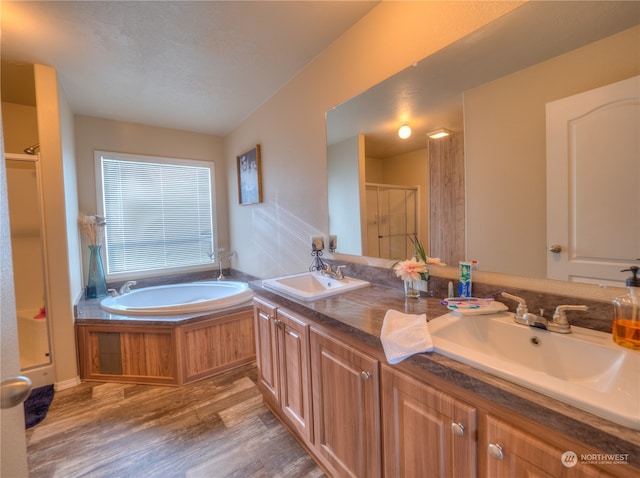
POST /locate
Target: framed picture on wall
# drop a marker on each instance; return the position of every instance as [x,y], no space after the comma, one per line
[250,177]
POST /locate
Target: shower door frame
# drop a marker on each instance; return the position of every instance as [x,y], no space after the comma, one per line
[41,374]
[408,237]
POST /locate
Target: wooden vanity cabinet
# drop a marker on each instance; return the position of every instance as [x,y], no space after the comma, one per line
[346,407]
[425,431]
[267,351]
[282,340]
[511,451]
[362,418]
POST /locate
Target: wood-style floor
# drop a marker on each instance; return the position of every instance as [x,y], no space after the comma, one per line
[214,428]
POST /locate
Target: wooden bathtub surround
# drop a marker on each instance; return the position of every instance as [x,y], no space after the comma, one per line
[172,354]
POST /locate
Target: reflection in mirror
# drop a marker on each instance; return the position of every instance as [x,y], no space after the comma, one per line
[502,77]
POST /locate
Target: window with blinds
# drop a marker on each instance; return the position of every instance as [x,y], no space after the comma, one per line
[159,212]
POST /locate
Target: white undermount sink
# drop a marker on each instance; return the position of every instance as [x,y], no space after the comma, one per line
[312,285]
[584,368]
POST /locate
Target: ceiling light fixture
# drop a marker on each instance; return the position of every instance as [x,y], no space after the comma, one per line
[404,131]
[439,133]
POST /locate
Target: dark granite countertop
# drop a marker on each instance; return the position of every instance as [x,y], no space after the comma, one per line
[360,314]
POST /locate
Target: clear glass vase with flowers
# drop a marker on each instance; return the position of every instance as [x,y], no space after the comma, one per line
[415,270]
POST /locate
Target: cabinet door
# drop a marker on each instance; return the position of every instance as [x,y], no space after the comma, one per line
[267,351]
[345,408]
[513,452]
[295,383]
[425,432]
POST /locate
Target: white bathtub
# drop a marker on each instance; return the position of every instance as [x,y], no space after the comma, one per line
[33,339]
[178,299]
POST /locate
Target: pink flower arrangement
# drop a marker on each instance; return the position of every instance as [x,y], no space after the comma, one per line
[410,269]
[416,268]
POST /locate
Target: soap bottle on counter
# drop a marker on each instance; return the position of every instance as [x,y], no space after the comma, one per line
[626,313]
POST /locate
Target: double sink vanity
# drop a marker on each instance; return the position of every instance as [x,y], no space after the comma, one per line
[494,399]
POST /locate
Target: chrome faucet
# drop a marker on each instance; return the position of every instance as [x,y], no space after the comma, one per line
[337,274]
[126,287]
[558,323]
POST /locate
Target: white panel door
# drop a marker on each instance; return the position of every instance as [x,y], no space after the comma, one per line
[13,452]
[593,179]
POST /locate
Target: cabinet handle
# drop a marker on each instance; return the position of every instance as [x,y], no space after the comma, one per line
[457,429]
[495,450]
[365,375]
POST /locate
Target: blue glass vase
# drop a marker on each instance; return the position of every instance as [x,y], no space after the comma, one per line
[96,282]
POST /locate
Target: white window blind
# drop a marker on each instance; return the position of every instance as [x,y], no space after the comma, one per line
[159,213]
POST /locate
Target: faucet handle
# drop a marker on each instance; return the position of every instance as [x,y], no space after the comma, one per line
[560,315]
[126,287]
[522,312]
[522,305]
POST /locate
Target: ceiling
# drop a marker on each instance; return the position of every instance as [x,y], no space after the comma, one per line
[201,66]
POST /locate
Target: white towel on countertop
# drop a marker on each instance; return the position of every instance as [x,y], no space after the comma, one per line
[404,335]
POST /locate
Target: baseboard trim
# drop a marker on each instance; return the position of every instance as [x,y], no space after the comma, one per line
[72,382]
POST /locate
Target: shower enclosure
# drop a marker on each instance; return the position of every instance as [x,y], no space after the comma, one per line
[392,220]
[29,267]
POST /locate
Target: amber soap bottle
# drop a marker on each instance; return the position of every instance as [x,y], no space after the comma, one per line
[626,313]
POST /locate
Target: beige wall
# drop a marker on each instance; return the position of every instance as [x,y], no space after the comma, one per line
[54,120]
[344,208]
[505,144]
[20,127]
[70,195]
[272,238]
[107,135]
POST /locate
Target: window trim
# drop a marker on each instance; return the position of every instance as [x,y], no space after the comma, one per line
[122,276]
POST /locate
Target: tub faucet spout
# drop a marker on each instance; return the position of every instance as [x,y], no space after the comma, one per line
[126,287]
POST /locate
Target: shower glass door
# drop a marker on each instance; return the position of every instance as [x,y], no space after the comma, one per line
[392,220]
[28,261]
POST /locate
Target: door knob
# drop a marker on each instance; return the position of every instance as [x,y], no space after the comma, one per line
[555,248]
[14,391]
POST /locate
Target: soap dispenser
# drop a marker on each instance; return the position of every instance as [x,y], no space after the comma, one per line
[626,313]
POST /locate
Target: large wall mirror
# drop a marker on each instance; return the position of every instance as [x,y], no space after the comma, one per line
[492,90]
